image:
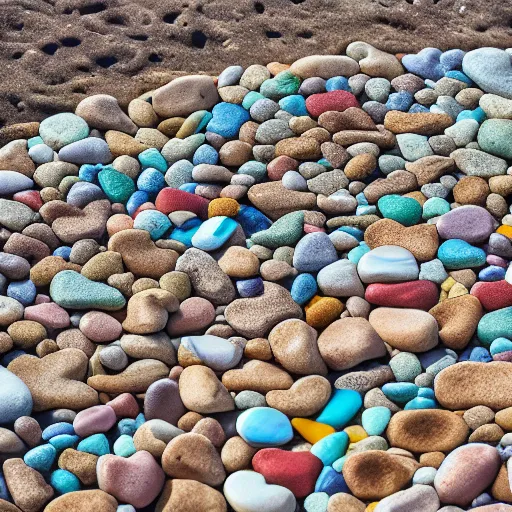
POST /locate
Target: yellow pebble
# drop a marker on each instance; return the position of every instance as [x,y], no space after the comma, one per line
[447,284]
[223,206]
[371,507]
[355,433]
[312,302]
[457,290]
[505,230]
[443,296]
[323,312]
[310,430]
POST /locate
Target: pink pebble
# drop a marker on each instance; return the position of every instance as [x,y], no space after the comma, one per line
[100,327]
[42,299]
[194,314]
[492,259]
[94,420]
[32,198]
[119,222]
[125,406]
[51,315]
[136,480]
[309,228]
[277,168]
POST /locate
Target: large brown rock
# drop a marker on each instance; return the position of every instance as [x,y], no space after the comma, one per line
[83,501]
[189,496]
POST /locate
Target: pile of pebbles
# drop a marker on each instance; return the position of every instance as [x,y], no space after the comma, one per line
[286,288]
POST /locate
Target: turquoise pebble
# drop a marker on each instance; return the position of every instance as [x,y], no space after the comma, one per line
[140,420]
[63,129]
[500,345]
[153,221]
[213,233]
[118,187]
[97,444]
[258,170]
[494,137]
[400,392]
[251,98]
[458,254]
[186,231]
[227,119]
[355,254]
[341,408]
[264,427]
[63,441]
[41,458]
[337,83]
[338,464]
[72,290]
[304,288]
[316,502]
[64,481]
[55,429]
[124,446]
[405,367]
[331,447]
[150,180]
[494,325]
[375,420]
[434,207]
[405,210]
[355,232]
[152,158]
[294,104]
[34,141]
[283,84]
[477,114]
[420,403]
[287,230]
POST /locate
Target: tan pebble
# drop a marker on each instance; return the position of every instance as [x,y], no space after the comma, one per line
[471,190]
[101,266]
[324,66]
[465,276]
[374,62]
[239,262]
[188,421]
[83,501]
[501,487]
[489,434]
[26,334]
[122,282]
[301,124]
[177,283]
[121,143]
[144,283]
[254,76]
[430,168]
[151,137]
[103,112]
[235,153]
[42,273]
[352,118]
[46,347]
[396,182]
[170,127]
[14,155]
[478,416]
[257,376]
[142,113]
[233,94]
[343,502]
[236,454]
[276,67]
[469,98]
[74,338]
[383,138]
[504,418]
[81,464]
[180,495]
[501,185]
[248,132]
[421,123]
[301,148]
[211,429]
[154,435]
[361,166]
[127,165]
[275,270]
[258,348]
[432,459]
[497,206]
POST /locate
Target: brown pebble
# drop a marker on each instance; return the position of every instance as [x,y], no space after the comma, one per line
[421,123]
[432,459]
[81,464]
[258,348]
[189,420]
[256,376]
[478,416]
[26,334]
[361,166]
[28,429]
[501,487]
[396,182]
[489,434]
[179,495]
[430,168]
[236,454]
[471,190]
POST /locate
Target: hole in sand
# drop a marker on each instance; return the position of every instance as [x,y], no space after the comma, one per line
[259,7]
[70,41]
[50,48]
[307,34]
[139,37]
[17,55]
[154,58]
[271,34]
[171,17]
[199,39]
[116,20]
[91,8]
[106,62]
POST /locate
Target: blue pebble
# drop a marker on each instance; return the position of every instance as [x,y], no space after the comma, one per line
[23,291]
[152,158]
[452,59]
[459,75]
[355,232]
[500,345]
[331,482]
[250,287]
[205,154]
[492,273]
[375,420]
[337,83]
[341,408]
[480,355]
[304,288]
[97,444]
[420,403]
[124,446]
[186,231]
[425,64]
[426,393]
[127,426]
[11,356]
[63,441]
[64,481]
[458,254]
[227,119]
[188,187]
[401,101]
[294,105]
[263,427]
[34,141]
[58,429]
[4,491]
[477,115]
[63,251]
[331,447]
[258,170]
[252,220]
[366,210]
[416,108]
[140,420]
[355,254]
[41,458]
[153,221]
[214,233]
[400,392]
[138,198]
[89,172]
[151,181]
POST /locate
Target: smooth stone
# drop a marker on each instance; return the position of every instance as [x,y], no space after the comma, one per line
[493,137]
[470,223]
[314,252]
[340,279]
[495,324]
[94,420]
[263,427]
[418,497]
[62,129]
[12,182]
[213,233]
[15,397]
[217,353]
[387,263]
[91,150]
[341,408]
[458,254]
[83,501]
[189,496]
[41,458]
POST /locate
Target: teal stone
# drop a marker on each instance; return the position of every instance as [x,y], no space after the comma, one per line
[283,84]
[337,465]
[405,367]
[355,254]
[41,458]
[405,210]
[263,427]
[214,233]
[63,441]
[375,420]
[341,408]
[500,345]
[316,502]
[325,163]
[62,129]
[287,230]
[152,158]
[400,392]
[34,141]
[97,444]
[495,136]
[64,481]
[457,254]
[331,447]
[118,187]
[124,446]
[420,403]
[258,170]
[251,98]
[154,222]
[434,207]
[72,290]
[494,325]
[294,105]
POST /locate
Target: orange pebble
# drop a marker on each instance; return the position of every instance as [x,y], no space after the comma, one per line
[119,222]
[371,507]
[223,206]
[277,67]
[310,430]
[323,312]
[505,230]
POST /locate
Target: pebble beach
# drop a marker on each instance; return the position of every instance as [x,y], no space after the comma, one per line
[285,288]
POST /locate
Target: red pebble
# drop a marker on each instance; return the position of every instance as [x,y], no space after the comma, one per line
[309,228]
[328,101]
[32,198]
[296,471]
[51,315]
[277,168]
[174,200]
[493,295]
[411,294]
[142,207]
[125,406]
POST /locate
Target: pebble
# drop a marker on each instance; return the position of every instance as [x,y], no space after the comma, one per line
[15,397]
[262,427]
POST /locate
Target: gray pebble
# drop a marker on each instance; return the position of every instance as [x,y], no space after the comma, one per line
[377,89]
[434,190]
[264,152]
[272,131]
[263,110]
[442,145]
[292,180]
[390,163]
[82,193]
[449,105]
[114,358]
[41,153]
[377,111]
[179,173]
[90,150]
[230,76]
[357,83]
[313,85]
[311,169]
[248,399]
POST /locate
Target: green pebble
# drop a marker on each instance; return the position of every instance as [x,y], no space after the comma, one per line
[434,207]
[72,290]
[117,186]
[62,129]
[405,366]
[251,98]
[124,446]
[494,325]
[405,210]
[494,137]
[258,170]
[285,231]
[284,84]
